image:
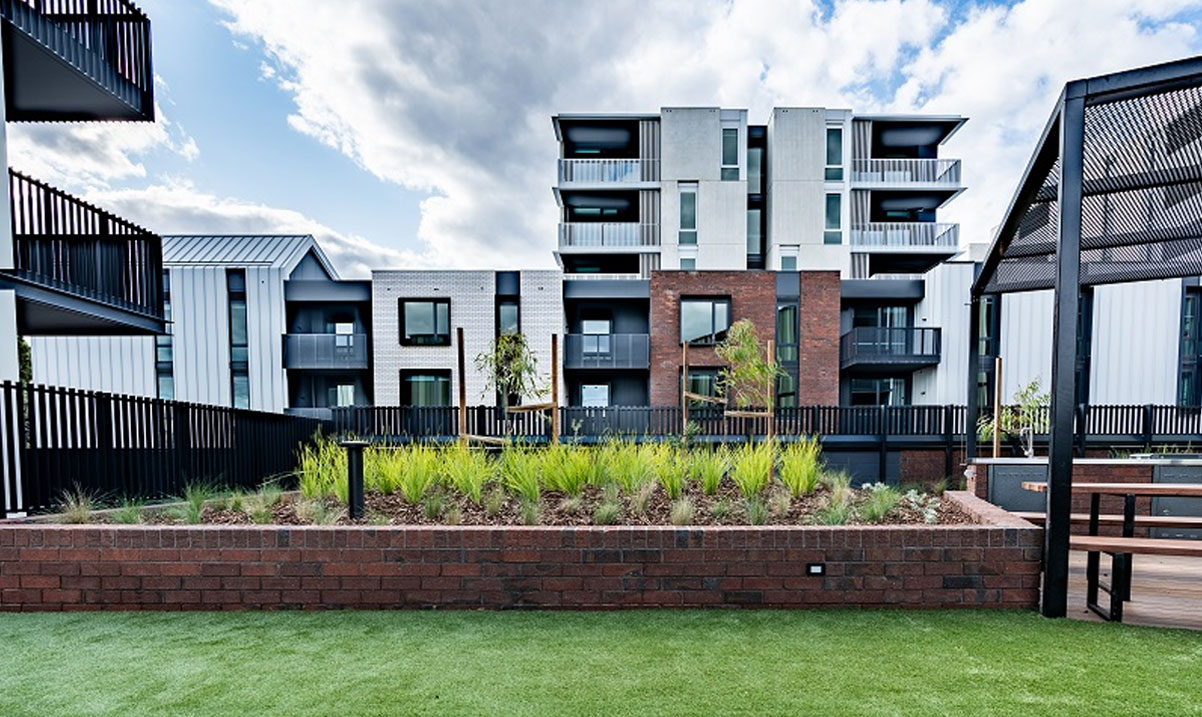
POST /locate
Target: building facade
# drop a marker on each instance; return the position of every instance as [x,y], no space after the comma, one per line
[258,322]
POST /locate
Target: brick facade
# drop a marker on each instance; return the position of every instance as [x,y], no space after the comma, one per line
[995,563]
[818,382]
[752,296]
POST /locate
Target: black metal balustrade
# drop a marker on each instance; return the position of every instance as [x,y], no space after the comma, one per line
[63,243]
[55,440]
[902,347]
[607,351]
[325,351]
[106,40]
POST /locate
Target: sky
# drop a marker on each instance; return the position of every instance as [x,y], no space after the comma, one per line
[417,134]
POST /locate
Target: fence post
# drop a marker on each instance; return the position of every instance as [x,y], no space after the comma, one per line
[354,476]
[949,440]
[1148,419]
[883,436]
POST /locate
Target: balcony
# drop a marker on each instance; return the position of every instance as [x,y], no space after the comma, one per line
[325,351]
[321,414]
[899,349]
[77,60]
[607,235]
[607,351]
[906,236]
[906,173]
[608,172]
[78,269]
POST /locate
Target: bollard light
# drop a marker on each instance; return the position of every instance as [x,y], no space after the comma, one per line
[354,476]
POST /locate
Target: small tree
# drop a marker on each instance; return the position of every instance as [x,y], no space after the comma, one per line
[25,359]
[1028,414]
[511,369]
[749,378]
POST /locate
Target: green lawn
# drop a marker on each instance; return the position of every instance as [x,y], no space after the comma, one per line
[628,663]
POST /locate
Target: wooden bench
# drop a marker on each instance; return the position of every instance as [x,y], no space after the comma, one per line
[1120,551]
[1141,521]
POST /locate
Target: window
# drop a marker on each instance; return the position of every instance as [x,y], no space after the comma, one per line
[834,154]
[703,382]
[834,210]
[688,214]
[235,280]
[425,322]
[704,321]
[688,263]
[1190,385]
[755,236]
[730,155]
[344,336]
[340,394]
[594,395]
[878,392]
[164,348]
[786,391]
[786,333]
[508,317]
[788,262]
[596,337]
[425,388]
[755,170]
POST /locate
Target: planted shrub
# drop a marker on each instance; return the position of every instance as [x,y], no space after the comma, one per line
[640,502]
[568,469]
[757,511]
[682,511]
[130,512]
[531,512]
[607,512]
[494,501]
[708,468]
[419,473]
[721,510]
[519,469]
[801,466]
[879,500]
[467,471]
[323,470]
[751,467]
[779,504]
[626,464]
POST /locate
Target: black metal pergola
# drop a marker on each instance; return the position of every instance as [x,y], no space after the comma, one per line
[1112,194]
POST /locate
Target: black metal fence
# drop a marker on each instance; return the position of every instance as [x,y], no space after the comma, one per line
[113,446]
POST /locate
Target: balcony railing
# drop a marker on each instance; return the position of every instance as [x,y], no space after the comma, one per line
[607,351]
[608,234]
[66,244]
[901,172]
[107,40]
[905,234]
[325,351]
[900,347]
[608,171]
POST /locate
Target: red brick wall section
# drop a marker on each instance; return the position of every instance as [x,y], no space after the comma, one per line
[752,296]
[52,567]
[818,383]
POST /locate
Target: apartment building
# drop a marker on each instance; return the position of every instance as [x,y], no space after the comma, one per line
[258,322]
[67,267]
[415,315]
[818,226]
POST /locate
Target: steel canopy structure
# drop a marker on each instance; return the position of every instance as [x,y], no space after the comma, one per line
[1112,194]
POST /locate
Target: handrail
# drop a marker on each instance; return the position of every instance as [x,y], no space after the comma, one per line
[603,234]
[67,244]
[607,351]
[867,343]
[905,234]
[116,31]
[608,170]
[906,171]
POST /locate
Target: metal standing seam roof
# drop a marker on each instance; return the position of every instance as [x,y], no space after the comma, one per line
[277,250]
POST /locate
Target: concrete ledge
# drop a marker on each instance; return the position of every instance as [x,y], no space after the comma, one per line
[995,563]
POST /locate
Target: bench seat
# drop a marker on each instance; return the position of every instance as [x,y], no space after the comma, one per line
[1141,521]
[1141,546]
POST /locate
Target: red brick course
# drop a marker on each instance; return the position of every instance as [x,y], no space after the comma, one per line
[53,567]
[818,382]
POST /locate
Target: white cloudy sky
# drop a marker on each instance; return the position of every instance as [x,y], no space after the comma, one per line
[418,133]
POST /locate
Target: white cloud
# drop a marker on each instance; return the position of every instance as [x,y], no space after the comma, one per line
[455,99]
[179,208]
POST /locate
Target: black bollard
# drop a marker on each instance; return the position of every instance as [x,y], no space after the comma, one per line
[354,476]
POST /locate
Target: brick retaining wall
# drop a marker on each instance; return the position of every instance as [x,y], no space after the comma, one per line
[58,567]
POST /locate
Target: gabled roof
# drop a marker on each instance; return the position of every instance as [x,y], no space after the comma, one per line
[284,251]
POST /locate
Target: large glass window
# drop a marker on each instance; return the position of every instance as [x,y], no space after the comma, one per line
[786,333]
[704,321]
[596,338]
[1189,385]
[703,382]
[834,219]
[425,388]
[425,322]
[878,392]
[340,394]
[594,395]
[730,155]
[239,346]
[508,317]
[755,237]
[755,170]
[834,154]
[688,214]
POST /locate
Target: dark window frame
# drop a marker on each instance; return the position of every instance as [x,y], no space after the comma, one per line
[239,369]
[715,335]
[438,339]
[409,373]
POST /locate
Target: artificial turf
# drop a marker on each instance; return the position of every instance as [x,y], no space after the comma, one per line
[617,663]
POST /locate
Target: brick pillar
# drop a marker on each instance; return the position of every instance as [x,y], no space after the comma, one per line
[818,382]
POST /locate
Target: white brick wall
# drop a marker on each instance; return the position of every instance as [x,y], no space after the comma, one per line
[473,298]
